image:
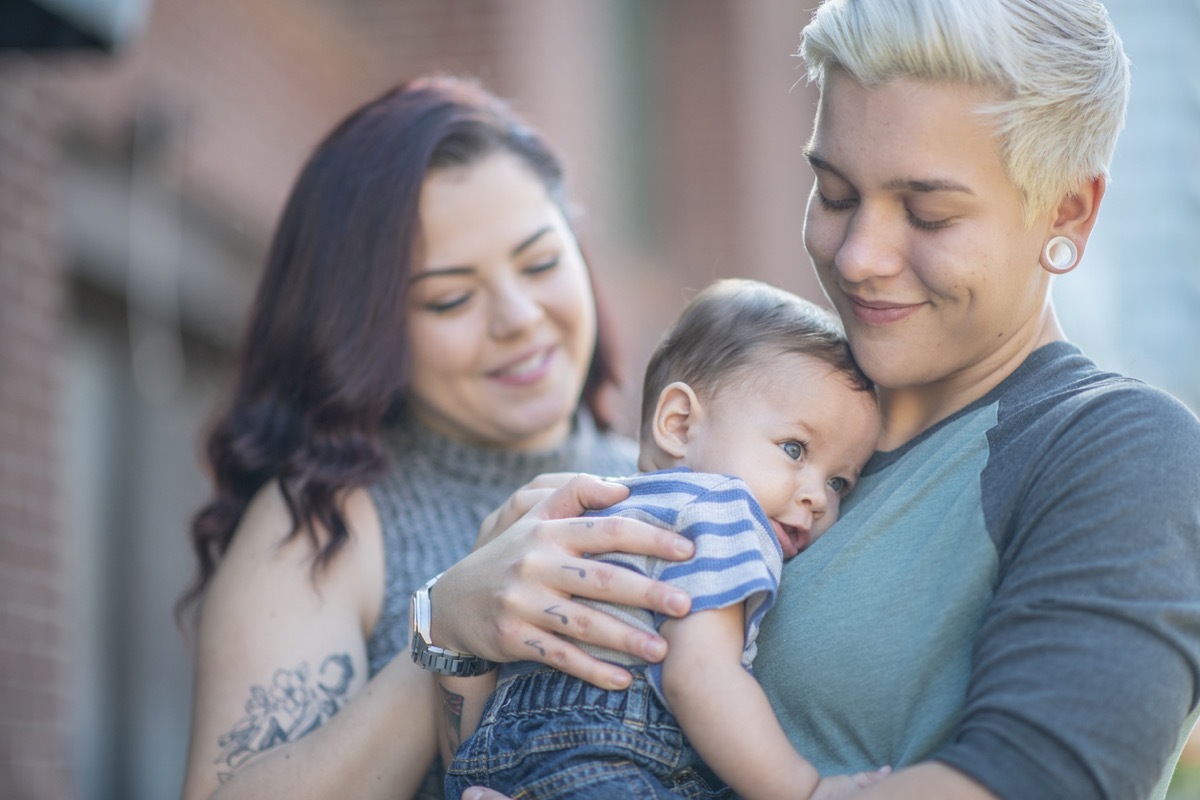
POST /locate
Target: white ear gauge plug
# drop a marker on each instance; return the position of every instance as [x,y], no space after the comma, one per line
[1060,255]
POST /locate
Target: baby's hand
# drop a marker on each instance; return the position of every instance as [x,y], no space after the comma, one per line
[838,786]
[482,793]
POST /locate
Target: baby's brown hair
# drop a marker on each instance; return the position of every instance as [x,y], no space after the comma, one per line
[731,327]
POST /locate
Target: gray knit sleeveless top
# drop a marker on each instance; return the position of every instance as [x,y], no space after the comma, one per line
[436,493]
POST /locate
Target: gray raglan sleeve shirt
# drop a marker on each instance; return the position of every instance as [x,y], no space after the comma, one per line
[1015,593]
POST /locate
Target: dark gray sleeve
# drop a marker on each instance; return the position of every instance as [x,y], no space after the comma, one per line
[1085,668]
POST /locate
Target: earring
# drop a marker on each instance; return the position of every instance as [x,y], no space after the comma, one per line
[1060,255]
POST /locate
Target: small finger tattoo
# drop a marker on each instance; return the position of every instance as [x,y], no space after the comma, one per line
[582,572]
[536,645]
[553,611]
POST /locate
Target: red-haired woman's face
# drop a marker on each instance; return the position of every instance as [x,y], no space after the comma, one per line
[501,315]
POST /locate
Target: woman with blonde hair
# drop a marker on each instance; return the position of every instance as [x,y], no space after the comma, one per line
[1009,606]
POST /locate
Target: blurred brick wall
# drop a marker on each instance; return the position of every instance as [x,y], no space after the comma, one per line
[34,759]
[246,90]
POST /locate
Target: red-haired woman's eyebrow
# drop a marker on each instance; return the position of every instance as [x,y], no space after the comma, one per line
[531,239]
[440,272]
[443,271]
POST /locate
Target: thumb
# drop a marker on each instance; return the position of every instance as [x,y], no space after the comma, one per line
[581,493]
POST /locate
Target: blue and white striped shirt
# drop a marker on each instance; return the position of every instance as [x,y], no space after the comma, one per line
[738,559]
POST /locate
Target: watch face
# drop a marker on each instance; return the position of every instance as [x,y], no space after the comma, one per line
[419,611]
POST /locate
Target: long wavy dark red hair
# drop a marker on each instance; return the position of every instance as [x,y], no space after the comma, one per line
[324,359]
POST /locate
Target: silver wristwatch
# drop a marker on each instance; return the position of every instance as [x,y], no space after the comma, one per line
[439,659]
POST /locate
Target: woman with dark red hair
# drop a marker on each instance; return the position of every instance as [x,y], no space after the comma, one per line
[424,341]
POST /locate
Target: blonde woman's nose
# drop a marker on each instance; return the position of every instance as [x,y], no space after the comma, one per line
[870,247]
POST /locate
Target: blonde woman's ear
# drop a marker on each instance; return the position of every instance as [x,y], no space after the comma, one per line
[1074,219]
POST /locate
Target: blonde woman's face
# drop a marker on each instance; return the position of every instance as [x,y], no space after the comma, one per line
[918,237]
[501,314]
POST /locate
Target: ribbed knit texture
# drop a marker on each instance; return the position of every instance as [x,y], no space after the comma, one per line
[438,491]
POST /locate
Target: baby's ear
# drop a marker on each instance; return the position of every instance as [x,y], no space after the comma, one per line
[677,412]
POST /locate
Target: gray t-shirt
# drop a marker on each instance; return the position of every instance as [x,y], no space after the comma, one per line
[1015,593]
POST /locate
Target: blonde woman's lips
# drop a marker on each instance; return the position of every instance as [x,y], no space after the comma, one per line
[880,312]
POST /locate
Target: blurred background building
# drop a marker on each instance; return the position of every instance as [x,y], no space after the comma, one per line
[146,147]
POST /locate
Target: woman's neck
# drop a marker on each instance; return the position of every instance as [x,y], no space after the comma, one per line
[910,410]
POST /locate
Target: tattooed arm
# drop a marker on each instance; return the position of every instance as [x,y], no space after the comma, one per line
[462,701]
[282,706]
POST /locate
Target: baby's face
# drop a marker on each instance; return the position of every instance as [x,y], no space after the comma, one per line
[797,434]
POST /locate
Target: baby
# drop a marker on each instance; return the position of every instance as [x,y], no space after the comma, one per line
[755,424]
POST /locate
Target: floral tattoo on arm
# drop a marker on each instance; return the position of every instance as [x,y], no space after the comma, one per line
[294,705]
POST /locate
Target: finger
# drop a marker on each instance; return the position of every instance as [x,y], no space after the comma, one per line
[864,779]
[584,623]
[612,583]
[535,644]
[551,480]
[483,793]
[616,535]
[517,506]
[520,502]
[581,493]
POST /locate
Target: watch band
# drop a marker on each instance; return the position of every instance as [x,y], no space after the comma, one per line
[439,659]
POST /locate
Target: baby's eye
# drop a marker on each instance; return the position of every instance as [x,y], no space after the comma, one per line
[839,485]
[794,450]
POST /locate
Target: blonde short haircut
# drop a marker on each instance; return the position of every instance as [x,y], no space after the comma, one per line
[1057,66]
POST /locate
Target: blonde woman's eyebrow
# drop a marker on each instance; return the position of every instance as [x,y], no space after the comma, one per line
[816,162]
[927,185]
[910,184]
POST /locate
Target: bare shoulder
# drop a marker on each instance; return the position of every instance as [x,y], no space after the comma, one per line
[263,554]
[281,647]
